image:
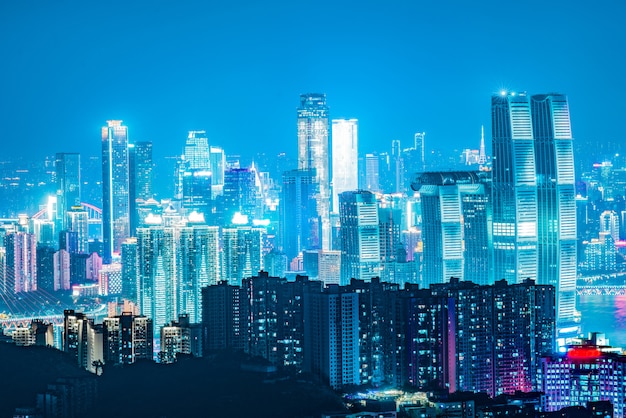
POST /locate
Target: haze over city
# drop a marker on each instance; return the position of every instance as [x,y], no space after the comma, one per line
[312,209]
[236,69]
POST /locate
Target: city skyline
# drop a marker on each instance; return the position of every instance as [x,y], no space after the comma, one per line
[393,69]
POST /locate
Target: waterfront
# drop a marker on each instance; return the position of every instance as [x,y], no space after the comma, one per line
[604,313]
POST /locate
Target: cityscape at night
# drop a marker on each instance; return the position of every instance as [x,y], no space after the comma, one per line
[319,209]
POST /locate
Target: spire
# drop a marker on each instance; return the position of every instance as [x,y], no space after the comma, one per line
[481,156]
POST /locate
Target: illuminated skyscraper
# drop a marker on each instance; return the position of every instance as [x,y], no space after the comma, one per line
[299,220]
[456,226]
[514,189]
[140,178]
[345,158]
[115,188]
[242,253]
[77,222]
[556,203]
[372,173]
[68,185]
[360,240]
[313,152]
[197,151]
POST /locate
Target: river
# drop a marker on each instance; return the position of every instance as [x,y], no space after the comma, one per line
[604,313]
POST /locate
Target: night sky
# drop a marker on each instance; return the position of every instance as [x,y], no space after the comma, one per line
[236,69]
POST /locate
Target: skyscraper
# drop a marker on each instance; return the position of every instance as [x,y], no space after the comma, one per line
[345,158]
[242,253]
[300,227]
[115,188]
[140,178]
[556,203]
[313,152]
[360,240]
[456,226]
[68,185]
[197,151]
[514,188]
[20,273]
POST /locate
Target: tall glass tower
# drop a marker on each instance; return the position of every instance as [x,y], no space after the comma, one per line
[68,185]
[313,147]
[345,158]
[115,188]
[514,189]
[556,204]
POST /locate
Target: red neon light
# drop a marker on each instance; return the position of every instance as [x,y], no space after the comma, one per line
[583,353]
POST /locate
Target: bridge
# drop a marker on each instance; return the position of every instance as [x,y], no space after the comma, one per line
[13,322]
[611,290]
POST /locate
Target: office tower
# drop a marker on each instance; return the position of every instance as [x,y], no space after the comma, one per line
[372,183]
[197,191]
[331,336]
[180,337]
[129,269]
[300,226]
[514,189]
[198,266]
[62,278]
[456,225]
[115,188]
[275,263]
[218,166]
[345,159]
[140,179]
[83,340]
[68,185]
[77,222]
[127,338]
[242,253]
[556,197]
[586,373]
[239,194]
[20,263]
[360,240]
[419,146]
[313,152]
[224,327]
[397,167]
[197,151]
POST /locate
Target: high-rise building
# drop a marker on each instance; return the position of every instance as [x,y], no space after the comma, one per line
[242,253]
[239,194]
[68,185]
[197,151]
[198,266]
[180,337]
[345,159]
[456,226]
[372,173]
[360,240]
[115,188]
[218,166]
[300,227]
[77,222]
[313,152]
[62,270]
[83,340]
[514,188]
[129,269]
[140,179]
[20,274]
[331,336]
[224,327]
[556,209]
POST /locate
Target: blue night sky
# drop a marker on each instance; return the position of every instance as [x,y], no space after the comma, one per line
[236,69]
